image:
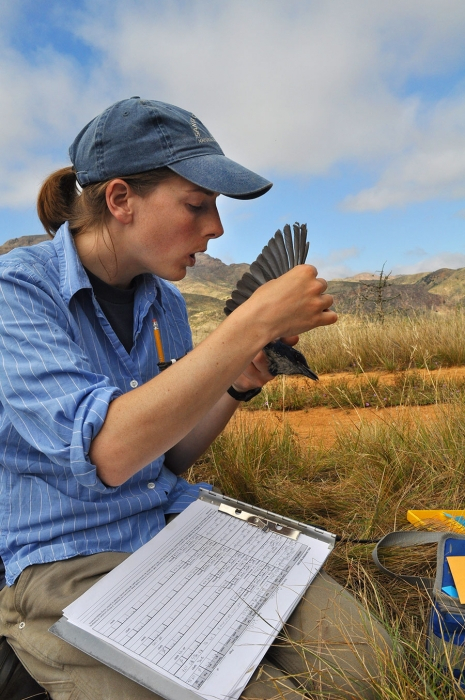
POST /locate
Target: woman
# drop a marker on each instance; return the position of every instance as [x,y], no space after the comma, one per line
[94,436]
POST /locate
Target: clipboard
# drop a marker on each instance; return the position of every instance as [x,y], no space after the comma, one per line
[191,613]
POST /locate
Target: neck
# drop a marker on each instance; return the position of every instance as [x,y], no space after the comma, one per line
[98,254]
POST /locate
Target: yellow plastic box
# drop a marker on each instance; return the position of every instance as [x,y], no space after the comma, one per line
[430,518]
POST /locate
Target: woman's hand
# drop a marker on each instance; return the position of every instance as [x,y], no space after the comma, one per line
[291,304]
[257,374]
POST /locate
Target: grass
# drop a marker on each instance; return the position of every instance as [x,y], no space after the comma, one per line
[358,343]
[404,389]
[360,488]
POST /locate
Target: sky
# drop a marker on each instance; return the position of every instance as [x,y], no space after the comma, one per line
[355,109]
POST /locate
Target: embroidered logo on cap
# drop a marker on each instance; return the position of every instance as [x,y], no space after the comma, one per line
[196,130]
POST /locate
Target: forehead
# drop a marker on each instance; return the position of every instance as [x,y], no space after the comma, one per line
[190,187]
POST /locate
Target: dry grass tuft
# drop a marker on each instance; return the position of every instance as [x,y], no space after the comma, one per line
[413,388]
[360,343]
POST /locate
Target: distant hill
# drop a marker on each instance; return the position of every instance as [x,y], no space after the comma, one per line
[445,282]
[208,284]
[22,241]
[360,277]
[439,290]
[211,277]
[351,297]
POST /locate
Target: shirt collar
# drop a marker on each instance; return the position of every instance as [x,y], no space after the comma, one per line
[73,276]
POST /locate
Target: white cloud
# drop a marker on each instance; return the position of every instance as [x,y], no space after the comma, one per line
[432,167]
[434,262]
[334,265]
[287,88]
[42,103]
[294,87]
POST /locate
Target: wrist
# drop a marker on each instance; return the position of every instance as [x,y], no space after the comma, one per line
[250,327]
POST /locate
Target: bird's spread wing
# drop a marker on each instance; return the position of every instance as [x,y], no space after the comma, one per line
[281,254]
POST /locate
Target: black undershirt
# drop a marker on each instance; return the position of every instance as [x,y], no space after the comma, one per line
[118,306]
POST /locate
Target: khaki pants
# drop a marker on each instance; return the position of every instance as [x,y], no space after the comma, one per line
[329,643]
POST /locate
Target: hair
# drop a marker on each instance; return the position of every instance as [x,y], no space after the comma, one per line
[61,199]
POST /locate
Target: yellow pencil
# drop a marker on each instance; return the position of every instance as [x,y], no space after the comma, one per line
[158,343]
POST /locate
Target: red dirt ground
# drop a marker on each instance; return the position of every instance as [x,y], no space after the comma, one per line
[321,425]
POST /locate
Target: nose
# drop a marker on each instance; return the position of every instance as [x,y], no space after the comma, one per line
[215,227]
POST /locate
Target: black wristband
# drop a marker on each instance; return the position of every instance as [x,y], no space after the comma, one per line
[243,395]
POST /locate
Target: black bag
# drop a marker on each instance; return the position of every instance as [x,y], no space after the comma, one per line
[15,681]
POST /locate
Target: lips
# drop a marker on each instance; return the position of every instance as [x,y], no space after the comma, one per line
[192,255]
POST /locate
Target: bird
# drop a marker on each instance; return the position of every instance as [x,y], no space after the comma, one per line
[281,254]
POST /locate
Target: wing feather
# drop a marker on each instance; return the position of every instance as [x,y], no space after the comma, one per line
[230,307]
[303,244]
[282,252]
[307,247]
[238,297]
[289,245]
[261,260]
[260,273]
[296,228]
[272,263]
[247,285]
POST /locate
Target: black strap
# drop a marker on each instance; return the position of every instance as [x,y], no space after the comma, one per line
[243,395]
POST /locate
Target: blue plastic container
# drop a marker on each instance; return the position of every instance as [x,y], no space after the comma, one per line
[446,630]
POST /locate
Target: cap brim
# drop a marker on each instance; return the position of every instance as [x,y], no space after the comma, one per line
[217,173]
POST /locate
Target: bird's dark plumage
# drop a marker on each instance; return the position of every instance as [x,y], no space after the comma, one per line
[281,254]
[283,359]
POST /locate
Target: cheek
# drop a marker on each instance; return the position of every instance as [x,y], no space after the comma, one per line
[166,236]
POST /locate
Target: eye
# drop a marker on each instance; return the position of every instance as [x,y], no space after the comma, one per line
[195,207]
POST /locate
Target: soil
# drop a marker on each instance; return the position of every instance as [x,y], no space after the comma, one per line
[320,426]
[385,377]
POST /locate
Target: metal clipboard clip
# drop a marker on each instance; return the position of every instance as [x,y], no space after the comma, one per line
[259,521]
[264,519]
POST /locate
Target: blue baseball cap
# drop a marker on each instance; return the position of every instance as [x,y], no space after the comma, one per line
[134,136]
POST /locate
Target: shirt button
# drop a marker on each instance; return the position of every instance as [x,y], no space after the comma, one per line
[133,383]
[22,625]
[150,485]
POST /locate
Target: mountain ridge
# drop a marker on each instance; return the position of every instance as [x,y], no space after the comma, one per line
[210,282]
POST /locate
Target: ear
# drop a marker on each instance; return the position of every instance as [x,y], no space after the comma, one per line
[119,197]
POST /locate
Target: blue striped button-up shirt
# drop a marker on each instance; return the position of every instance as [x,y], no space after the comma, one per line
[60,366]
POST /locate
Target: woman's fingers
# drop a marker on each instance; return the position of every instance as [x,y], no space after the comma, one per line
[291,304]
[291,340]
[256,374]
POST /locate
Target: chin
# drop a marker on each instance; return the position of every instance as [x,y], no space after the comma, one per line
[175,276]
